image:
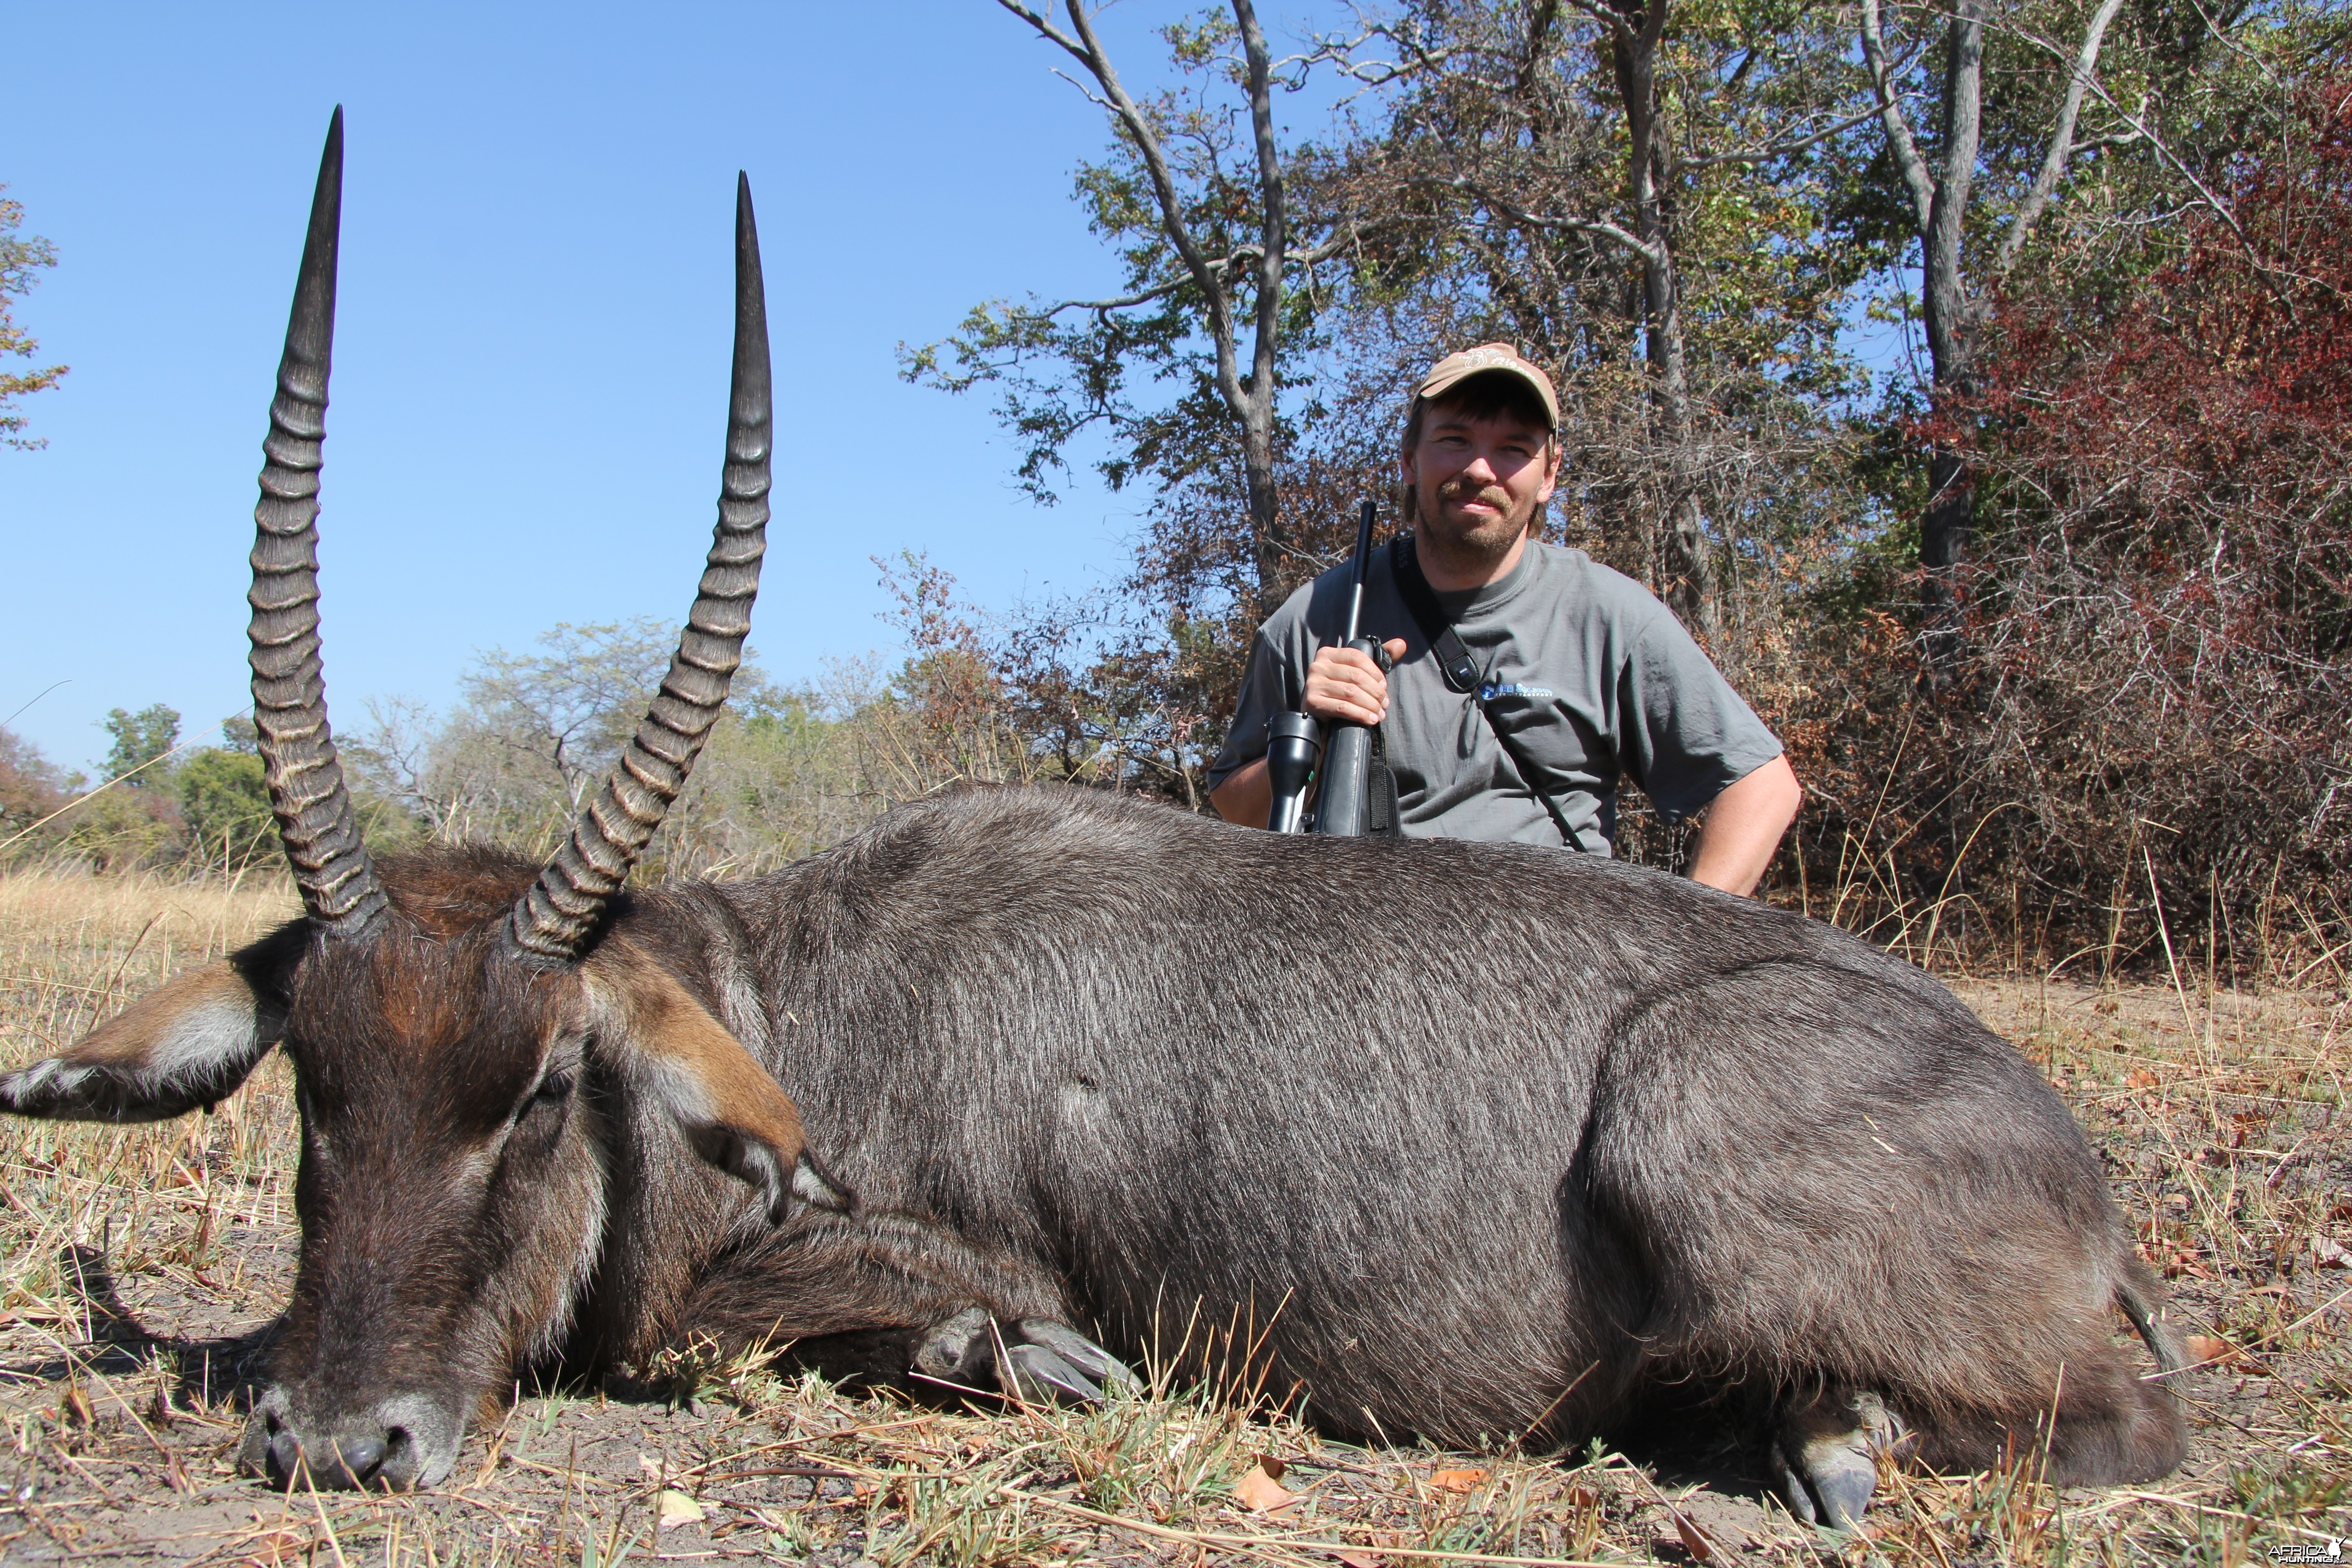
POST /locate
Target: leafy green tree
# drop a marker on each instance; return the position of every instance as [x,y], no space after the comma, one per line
[225,808]
[140,739]
[1199,200]
[20,255]
[31,786]
[1991,118]
[562,714]
[1618,187]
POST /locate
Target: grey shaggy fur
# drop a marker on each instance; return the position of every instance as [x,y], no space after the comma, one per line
[1496,1138]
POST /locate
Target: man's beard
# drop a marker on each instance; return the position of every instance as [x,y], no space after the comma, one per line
[1482,539]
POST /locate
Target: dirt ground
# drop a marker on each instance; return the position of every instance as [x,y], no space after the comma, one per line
[143,1267]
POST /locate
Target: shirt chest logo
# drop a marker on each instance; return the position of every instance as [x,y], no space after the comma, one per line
[1494,689]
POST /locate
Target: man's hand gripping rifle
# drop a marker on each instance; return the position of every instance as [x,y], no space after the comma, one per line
[1356,797]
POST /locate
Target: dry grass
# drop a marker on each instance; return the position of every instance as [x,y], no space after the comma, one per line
[140,1262]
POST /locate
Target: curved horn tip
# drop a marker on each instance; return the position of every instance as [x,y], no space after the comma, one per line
[747,226]
[553,918]
[316,822]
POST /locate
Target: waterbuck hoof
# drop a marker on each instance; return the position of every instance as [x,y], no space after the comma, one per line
[1079,1352]
[1038,1376]
[1827,1455]
[1042,1361]
[1828,1486]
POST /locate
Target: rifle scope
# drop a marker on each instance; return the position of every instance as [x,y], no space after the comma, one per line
[1293,744]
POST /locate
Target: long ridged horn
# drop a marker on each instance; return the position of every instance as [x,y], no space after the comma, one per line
[315,819]
[554,917]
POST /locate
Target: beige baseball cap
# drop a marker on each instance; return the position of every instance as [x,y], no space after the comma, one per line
[1457,368]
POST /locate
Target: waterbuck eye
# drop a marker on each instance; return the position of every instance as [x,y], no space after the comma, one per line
[554,1090]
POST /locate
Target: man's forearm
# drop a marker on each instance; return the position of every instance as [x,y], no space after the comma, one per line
[1245,796]
[1744,826]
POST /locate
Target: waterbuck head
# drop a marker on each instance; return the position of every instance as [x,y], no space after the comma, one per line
[465,1030]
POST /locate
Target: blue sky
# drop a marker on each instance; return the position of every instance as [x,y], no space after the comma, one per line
[530,375]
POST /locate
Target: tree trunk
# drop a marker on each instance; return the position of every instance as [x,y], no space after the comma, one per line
[1249,395]
[1952,322]
[1269,542]
[1686,571]
[1256,405]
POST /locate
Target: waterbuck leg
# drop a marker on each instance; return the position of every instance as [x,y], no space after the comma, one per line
[892,1298]
[1826,1450]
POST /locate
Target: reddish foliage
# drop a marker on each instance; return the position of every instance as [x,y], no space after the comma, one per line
[2161,622]
[2228,366]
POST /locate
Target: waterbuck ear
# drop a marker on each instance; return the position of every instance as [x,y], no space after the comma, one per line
[674,1051]
[189,1042]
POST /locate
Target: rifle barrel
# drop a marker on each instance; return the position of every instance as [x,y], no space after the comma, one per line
[1364,514]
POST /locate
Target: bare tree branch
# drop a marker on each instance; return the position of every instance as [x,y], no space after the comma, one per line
[1779,149]
[1597,229]
[1614,20]
[1241,254]
[1382,73]
[1089,51]
[2062,139]
[2141,129]
[1908,161]
[1252,404]
[1275,226]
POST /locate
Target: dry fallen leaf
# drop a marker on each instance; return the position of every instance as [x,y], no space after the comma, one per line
[2205,1347]
[2328,1253]
[74,1406]
[676,1509]
[1701,1549]
[1460,1480]
[2140,1078]
[1260,1492]
[1357,1557]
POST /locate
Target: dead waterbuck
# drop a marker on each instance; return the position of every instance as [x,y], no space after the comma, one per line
[1513,1140]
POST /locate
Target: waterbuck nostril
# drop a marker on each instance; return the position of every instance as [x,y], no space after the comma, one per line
[360,1457]
[346,1463]
[285,1457]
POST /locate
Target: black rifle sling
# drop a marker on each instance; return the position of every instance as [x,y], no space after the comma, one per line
[1461,671]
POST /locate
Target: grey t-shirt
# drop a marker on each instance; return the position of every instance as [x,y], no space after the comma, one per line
[1594,679]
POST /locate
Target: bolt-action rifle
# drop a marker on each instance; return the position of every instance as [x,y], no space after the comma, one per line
[1356,797]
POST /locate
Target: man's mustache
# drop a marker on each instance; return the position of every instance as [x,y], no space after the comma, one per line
[1459,492]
